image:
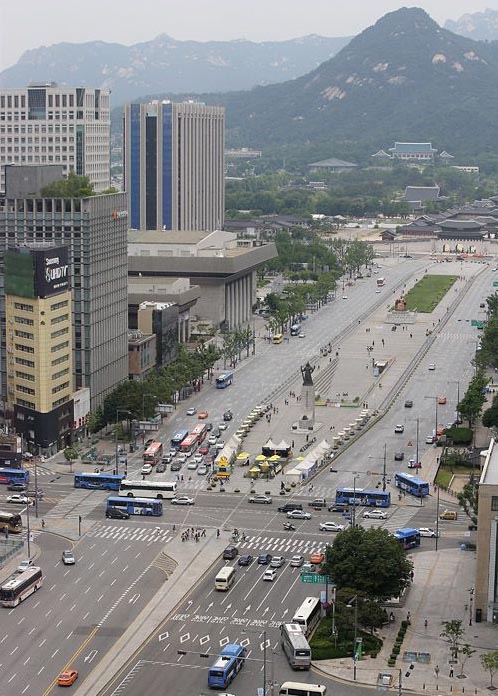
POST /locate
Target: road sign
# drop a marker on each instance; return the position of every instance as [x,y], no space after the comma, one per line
[316,579]
[477,322]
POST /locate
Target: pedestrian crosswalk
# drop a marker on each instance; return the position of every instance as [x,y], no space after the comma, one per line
[79,502]
[144,534]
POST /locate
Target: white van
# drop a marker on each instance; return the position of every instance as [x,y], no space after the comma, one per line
[224,579]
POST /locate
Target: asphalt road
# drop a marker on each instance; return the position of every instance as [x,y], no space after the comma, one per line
[114,559]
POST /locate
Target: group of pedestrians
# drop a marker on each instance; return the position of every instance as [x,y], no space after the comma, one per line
[193,533]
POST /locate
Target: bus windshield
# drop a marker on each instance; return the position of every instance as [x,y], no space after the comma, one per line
[11,522]
[100,481]
[136,506]
[148,489]
[224,380]
[153,453]
[178,438]
[13,475]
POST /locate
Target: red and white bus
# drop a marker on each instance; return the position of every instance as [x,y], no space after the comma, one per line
[153,453]
[200,431]
[189,444]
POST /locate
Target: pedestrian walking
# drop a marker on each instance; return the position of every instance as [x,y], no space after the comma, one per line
[408,618]
[217,533]
[451,672]
[436,671]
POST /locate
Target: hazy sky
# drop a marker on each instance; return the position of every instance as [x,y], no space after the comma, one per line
[34,23]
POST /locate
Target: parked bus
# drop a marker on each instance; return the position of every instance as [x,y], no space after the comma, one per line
[153,453]
[178,438]
[289,688]
[200,431]
[162,490]
[295,329]
[224,380]
[19,586]
[411,484]
[13,475]
[295,646]
[381,282]
[277,338]
[189,444]
[226,666]
[225,578]
[11,522]
[136,506]
[308,615]
[100,481]
[408,538]
[362,496]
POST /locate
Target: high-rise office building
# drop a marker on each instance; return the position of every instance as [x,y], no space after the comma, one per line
[94,229]
[174,166]
[39,341]
[47,124]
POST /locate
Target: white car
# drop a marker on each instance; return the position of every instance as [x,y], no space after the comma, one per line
[427,532]
[399,428]
[431,367]
[19,498]
[429,440]
[182,500]
[212,439]
[296,561]
[378,291]
[198,458]
[331,527]
[146,469]
[344,297]
[298,515]
[202,470]
[191,411]
[24,565]
[192,465]
[181,458]
[219,445]
[270,575]
[375,515]
[277,562]
[188,453]
[222,426]
[173,453]
[260,498]
[302,335]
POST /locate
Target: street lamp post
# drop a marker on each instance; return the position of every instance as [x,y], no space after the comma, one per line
[118,411]
[384,468]
[36,488]
[417,461]
[353,513]
[349,605]
[455,381]
[435,401]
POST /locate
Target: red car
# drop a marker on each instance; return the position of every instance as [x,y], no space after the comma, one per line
[204,449]
[67,677]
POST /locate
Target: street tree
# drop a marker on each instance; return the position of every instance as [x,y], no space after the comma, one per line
[70,454]
[465,651]
[470,407]
[489,662]
[452,634]
[370,561]
[490,416]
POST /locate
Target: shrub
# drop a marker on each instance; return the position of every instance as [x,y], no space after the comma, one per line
[460,435]
[391,662]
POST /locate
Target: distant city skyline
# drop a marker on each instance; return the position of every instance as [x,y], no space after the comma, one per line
[55,21]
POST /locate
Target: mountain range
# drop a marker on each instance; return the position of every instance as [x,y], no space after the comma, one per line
[167,65]
[481,26]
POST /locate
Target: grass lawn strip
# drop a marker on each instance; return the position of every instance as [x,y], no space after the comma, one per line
[428,292]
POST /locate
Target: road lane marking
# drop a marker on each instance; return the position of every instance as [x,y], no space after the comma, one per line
[54,654]
[26,661]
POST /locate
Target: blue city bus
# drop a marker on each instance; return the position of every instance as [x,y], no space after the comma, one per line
[225,669]
[224,380]
[136,506]
[408,538]
[100,481]
[362,496]
[411,484]
[178,438]
[13,475]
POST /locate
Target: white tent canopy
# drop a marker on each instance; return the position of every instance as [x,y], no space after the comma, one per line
[270,445]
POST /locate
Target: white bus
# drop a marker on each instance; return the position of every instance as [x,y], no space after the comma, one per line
[225,578]
[290,688]
[148,489]
[19,586]
[308,615]
[295,646]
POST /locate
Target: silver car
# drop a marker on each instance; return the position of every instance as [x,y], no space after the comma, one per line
[260,498]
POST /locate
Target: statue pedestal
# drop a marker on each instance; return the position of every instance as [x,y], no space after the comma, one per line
[307,420]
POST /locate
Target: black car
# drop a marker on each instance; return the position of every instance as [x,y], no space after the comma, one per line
[117,514]
[230,552]
[161,467]
[338,507]
[209,427]
[39,493]
[227,416]
[176,466]
[17,487]
[264,558]
[289,507]
[148,442]
[216,432]
[245,560]
[408,403]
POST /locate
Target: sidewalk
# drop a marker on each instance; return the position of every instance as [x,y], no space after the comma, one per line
[440,592]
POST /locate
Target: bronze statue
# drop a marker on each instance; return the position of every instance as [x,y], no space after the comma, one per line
[306,372]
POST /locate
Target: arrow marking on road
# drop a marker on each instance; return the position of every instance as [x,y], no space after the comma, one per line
[134,599]
[266,610]
[186,636]
[209,606]
[91,656]
[247,609]
[163,636]
[285,612]
[224,641]
[229,606]
[204,639]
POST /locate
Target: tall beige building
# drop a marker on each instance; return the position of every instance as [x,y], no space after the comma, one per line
[486,584]
[174,166]
[47,124]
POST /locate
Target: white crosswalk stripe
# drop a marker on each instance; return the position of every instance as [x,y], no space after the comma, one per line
[126,533]
[79,502]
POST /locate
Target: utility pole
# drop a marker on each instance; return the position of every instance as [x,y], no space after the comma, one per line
[384,469]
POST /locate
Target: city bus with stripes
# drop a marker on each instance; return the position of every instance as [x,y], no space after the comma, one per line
[200,431]
[97,481]
[178,438]
[153,453]
[189,444]
[10,522]
[308,615]
[225,380]
[8,475]
[411,484]
[381,282]
[19,586]
[408,538]
[227,666]
[162,490]
[295,646]
[136,506]
[362,496]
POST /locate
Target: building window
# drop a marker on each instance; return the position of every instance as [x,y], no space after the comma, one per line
[23,334]
[58,361]
[24,349]
[24,307]
[59,402]
[59,346]
[25,390]
[25,375]
[26,404]
[494,503]
[58,305]
[24,320]
[26,363]
[60,388]
[61,373]
[57,320]
[60,332]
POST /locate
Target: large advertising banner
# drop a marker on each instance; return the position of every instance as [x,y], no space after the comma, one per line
[51,271]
